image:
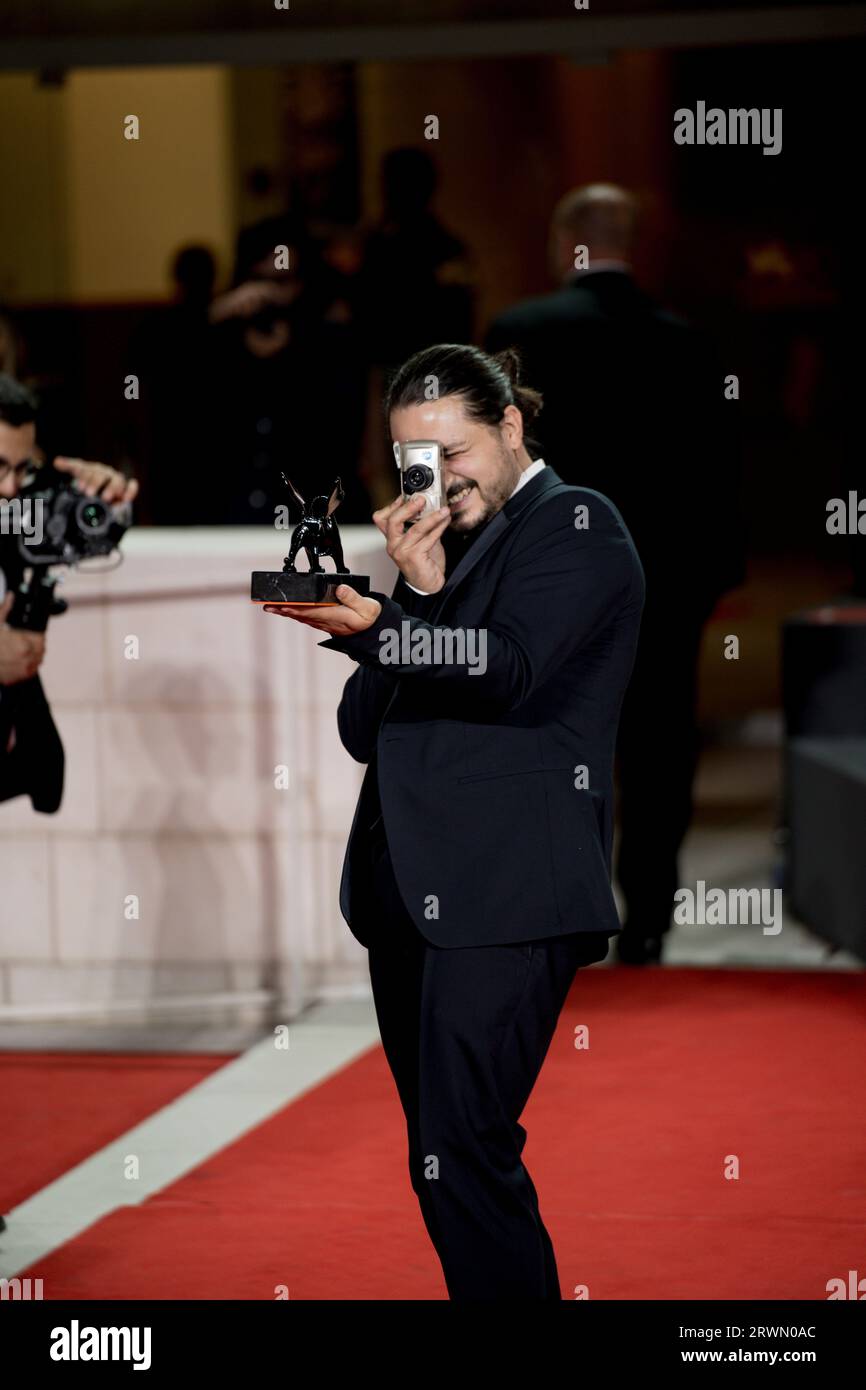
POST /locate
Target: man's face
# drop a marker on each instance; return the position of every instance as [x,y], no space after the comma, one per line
[480,468]
[17,443]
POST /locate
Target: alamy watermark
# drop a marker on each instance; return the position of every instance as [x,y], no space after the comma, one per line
[737,126]
[77,1343]
[722,907]
[22,1289]
[434,646]
[846,517]
[22,516]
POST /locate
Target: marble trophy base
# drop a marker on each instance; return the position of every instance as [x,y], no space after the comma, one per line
[300,586]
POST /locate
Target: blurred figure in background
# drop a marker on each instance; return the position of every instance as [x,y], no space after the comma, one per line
[416,288]
[10,345]
[61,417]
[654,434]
[282,352]
[416,277]
[194,276]
[171,356]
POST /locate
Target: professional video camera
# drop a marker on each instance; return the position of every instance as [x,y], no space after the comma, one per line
[75,527]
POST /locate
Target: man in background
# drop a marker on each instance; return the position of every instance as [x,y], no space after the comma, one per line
[635,407]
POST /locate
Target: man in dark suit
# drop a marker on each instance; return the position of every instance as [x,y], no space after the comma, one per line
[634,405]
[477,873]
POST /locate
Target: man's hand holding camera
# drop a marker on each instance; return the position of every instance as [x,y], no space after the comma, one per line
[416,550]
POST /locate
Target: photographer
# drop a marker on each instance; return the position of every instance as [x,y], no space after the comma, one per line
[31,754]
[478,868]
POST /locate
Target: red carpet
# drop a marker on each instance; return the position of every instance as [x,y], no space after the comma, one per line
[60,1107]
[627,1147]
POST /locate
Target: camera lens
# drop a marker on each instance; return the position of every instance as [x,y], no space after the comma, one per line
[417,478]
[93,516]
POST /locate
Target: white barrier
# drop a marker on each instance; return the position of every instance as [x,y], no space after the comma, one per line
[176,877]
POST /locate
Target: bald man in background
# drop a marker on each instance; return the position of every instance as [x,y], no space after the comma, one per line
[634,406]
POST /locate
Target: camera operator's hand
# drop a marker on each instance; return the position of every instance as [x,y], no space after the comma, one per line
[98,479]
[21,653]
[417,552]
[251,298]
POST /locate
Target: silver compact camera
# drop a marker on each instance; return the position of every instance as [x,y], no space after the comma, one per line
[420,465]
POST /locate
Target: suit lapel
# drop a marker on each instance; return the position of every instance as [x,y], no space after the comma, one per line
[531,492]
[495,528]
[493,531]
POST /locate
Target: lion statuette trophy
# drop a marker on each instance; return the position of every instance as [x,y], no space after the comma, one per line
[317,535]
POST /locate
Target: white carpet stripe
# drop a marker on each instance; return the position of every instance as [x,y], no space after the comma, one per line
[176,1139]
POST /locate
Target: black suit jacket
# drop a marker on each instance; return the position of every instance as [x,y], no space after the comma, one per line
[491,840]
[634,406]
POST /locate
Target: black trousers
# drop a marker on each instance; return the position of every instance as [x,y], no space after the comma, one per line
[465,1031]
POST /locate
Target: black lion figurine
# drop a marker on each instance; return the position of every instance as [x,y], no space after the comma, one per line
[316,532]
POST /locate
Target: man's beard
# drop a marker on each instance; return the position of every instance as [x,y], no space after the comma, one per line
[495,497]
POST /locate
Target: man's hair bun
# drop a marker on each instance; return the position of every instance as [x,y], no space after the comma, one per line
[528,401]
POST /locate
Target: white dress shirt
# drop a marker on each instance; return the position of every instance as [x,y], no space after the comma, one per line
[527,473]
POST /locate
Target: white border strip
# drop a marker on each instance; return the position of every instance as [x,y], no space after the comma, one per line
[178,1138]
